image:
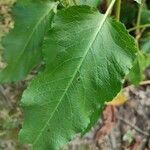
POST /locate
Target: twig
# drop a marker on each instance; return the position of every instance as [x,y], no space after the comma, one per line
[113,140]
[5,97]
[145,140]
[133,126]
[145,82]
[138,27]
[143,143]
[2,133]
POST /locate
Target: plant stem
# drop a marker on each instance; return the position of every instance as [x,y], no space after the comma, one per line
[110,7]
[118,9]
[107,4]
[138,33]
[139,16]
[138,27]
[139,20]
[107,13]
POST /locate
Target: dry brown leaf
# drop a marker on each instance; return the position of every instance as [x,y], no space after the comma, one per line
[120,99]
[109,119]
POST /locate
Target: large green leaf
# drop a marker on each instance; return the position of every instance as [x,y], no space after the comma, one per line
[23,43]
[92,56]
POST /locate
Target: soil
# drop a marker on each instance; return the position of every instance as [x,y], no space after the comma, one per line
[125,127]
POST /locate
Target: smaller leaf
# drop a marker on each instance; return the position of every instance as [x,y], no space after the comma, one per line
[93,3]
[145,43]
[145,16]
[128,136]
[22,46]
[137,72]
[138,1]
[148,60]
[120,99]
[128,12]
[145,47]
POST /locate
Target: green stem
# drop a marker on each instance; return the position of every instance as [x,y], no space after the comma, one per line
[118,9]
[138,33]
[107,13]
[110,7]
[107,4]
[138,27]
[139,17]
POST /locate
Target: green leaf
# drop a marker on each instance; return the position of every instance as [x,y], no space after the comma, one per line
[145,43]
[148,60]
[145,47]
[128,12]
[145,16]
[93,3]
[138,1]
[137,72]
[23,43]
[93,54]
[142,61]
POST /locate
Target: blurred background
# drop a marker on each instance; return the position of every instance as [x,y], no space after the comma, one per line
[125,122]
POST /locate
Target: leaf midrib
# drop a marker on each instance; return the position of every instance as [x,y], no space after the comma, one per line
[71,80]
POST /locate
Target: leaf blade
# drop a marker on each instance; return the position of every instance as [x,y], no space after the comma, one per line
[81,2]
[138,1]
[23,43]
[71,85]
